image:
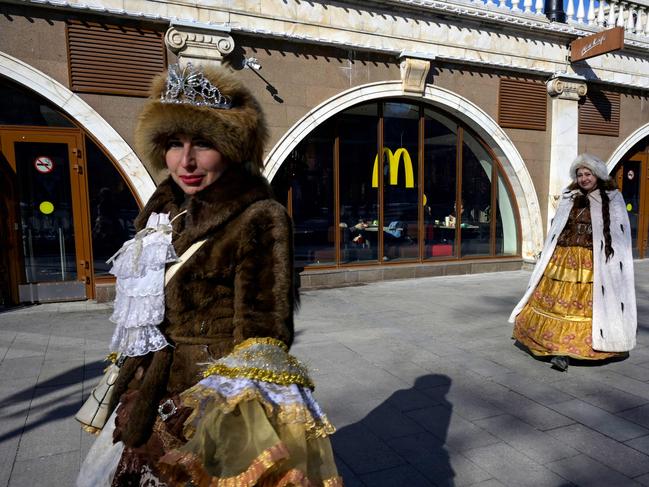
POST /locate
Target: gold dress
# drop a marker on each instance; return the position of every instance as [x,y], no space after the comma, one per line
[253,422]
[557,319]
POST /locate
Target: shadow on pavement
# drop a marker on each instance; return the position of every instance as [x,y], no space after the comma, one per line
[402,441]
[30,396]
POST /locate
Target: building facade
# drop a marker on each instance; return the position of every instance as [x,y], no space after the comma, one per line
[408,137]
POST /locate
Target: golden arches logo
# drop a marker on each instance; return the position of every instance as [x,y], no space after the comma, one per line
[393,164]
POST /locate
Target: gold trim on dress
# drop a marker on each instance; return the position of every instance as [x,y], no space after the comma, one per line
[265,359]
[200,399]
[191,464]
[281,378]
[261,341]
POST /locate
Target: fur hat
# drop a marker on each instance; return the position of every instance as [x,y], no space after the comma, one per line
[594,164]
[239,133]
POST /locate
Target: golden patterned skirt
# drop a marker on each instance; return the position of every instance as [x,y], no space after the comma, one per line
[557,319]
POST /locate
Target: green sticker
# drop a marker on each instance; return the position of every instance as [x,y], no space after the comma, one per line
[46,207]
[629,207]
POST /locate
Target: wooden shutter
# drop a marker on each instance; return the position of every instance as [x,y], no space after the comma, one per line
[522,104]
[113,59]
[599,113]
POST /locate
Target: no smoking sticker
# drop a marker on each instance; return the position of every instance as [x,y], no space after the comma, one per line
[44,164]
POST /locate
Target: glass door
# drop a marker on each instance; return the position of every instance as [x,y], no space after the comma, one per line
[632,174]
[52,213]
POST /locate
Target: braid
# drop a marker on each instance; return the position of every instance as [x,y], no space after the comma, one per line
[606,218]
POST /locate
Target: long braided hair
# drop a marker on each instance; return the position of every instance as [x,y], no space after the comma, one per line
[603,186]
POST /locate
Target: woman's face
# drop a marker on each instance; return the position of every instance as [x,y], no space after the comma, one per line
[586,179]
[193,162]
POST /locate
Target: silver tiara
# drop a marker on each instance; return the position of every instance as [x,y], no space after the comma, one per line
[189,86]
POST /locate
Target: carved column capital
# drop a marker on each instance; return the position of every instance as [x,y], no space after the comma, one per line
[566,88]
[199,43]
[414,72]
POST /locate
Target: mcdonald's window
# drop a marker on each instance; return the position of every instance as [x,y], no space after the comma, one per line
[396,181]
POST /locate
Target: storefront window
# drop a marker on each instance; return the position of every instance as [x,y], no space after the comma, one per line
[505,221]
[19,106]
[112,207]
[400,181]
[437,180]
[308,182]
[475,200]
[359,204]
[440,161]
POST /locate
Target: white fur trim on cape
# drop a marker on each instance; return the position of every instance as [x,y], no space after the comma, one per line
[614,303]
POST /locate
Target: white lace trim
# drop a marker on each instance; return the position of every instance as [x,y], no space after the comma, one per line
[139,302]
[134,342]
[132,312]
[275,394]
[135,262]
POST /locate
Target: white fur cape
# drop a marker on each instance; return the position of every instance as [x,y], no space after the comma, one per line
[614,305]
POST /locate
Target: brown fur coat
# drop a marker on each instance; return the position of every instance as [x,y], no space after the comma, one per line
[238,285]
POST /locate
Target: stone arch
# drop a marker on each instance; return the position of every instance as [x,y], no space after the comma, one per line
[131,166]
[624,148]
[473,116]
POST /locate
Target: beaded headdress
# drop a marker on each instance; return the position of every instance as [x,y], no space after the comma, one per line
[187,85]
[205,101]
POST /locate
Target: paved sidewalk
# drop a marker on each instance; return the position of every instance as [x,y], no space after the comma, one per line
[420,377]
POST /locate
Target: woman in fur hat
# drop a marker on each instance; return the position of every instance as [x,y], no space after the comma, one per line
[208,394]
[580,302]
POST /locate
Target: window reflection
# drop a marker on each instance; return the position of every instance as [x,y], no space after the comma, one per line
[440,154]
[112,208]
[359,210]
[475,202]
[400,185]
[310,187]
[506,241]
[21,106]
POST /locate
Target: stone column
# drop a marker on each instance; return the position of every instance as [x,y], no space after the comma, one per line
[565,90]
[199,43]
[414,69]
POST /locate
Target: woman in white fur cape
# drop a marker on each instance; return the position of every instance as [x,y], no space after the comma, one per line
[580,302]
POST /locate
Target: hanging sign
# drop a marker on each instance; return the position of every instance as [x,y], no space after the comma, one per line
[44,164]
[597,44]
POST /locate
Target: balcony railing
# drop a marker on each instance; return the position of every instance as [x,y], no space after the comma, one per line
[633,16]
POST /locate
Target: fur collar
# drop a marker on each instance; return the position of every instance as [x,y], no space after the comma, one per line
[209,209]
[593,195]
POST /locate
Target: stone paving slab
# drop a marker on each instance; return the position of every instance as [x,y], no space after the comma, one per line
[599,395]
[535,444]
[513,468]
[420,376]
[639,415]
[640,444]
[599,420]
[582,470]
[614,454]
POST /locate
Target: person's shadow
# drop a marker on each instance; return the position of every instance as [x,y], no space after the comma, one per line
[401,442]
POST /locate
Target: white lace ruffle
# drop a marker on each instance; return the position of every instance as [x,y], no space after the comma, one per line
[134,342]
[135,262]
[276,394]
[139,302]
[147,285]
[138,311]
